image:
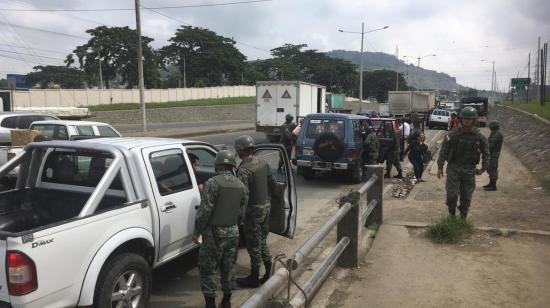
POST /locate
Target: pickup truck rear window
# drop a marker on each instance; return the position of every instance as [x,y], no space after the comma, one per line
[317,127]
[52,131]
[80,169]
[106,131]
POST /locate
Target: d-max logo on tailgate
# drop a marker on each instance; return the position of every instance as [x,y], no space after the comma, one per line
[42,243]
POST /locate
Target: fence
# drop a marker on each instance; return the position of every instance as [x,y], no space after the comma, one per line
[358,210]
[91,97]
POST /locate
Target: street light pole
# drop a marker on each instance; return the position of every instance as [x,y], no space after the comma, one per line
[100,73]
[361,69]
[140,68]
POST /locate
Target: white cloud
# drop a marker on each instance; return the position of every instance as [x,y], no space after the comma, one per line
[457,31]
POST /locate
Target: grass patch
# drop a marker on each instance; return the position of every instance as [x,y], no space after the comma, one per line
[532,107]
[196,102]
[449,230]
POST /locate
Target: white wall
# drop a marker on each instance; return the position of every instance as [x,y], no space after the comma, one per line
[92,97]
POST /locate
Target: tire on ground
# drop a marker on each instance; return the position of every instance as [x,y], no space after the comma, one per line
[113,269]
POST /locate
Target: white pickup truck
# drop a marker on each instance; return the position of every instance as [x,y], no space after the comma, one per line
[88,220]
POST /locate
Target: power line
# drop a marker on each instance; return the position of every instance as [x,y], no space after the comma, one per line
[49,31]
[133,9]
[40,49]
[28,54]
[188,24]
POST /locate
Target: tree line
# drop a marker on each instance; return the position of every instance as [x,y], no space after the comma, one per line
[199,57]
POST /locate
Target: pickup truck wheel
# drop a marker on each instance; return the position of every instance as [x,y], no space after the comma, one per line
[124,281]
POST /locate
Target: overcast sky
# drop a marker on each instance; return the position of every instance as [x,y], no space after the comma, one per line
[460,33]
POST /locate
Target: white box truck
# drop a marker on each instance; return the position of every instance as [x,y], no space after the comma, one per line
[276,99]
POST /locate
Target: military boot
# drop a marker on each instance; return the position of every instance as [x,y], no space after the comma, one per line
[463,214]
[226,301]
[251,281]
[398,176]
[267,274]
[485,186]
[492,186]
[387,175]
[452,212]
[210,301]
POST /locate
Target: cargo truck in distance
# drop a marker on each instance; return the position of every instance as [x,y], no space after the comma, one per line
[481,104]
[401,104]
[276,99]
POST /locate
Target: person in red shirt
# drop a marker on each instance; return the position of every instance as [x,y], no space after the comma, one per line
[455,121]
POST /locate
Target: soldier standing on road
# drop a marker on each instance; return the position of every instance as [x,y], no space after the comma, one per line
[256,175]
[495,145]
[223,204]
[392,156]
[287,138]
[462,148]
[371,146]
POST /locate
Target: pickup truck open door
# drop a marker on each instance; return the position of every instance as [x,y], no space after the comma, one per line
[284,204]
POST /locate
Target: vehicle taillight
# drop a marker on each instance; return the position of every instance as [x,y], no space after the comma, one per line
[10,155]
[352,153]
[21,273]
[298,150]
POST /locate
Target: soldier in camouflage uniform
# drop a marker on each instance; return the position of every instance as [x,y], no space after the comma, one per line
[462,148]
[371,146]
[256,175]
[393,154]
[223,204]
[287,138]
[495,145]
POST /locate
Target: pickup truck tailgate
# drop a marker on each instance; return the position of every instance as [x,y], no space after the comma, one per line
[4,293]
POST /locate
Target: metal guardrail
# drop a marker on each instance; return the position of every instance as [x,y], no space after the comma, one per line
[358,210]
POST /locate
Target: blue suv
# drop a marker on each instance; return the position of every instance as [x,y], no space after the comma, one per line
[331,141]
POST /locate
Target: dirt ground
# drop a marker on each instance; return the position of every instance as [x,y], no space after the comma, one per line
[490,269]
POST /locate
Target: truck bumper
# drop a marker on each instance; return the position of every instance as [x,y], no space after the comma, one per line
[321,165]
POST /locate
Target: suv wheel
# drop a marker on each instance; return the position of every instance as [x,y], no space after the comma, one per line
[356,173]
[124,281]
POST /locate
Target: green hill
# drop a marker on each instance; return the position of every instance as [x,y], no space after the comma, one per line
[417,77]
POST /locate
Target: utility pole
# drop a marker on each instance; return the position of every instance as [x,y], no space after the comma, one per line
[100,73]
[184,73]
[361,69]
[544,63]
[539,64]
[528,76]
[493,82]
[140,68]
[397,68]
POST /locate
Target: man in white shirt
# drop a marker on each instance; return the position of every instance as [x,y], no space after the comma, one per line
[405,129]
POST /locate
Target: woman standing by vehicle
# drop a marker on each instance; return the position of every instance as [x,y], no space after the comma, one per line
[416,152]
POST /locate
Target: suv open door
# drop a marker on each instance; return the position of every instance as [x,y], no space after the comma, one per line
[284,204]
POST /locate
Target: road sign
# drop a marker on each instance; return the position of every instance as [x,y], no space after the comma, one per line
[521,82]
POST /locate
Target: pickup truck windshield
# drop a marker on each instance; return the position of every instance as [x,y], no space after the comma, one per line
[84,168]
[52,131]
[318,127]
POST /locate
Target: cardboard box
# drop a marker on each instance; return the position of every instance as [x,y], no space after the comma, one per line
[21,137]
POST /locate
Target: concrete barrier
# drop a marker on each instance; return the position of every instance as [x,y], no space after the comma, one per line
[92,97]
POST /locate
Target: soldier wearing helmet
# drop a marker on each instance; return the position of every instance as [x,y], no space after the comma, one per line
[462,148]
[495,145]
[222,209]
[287,138]
[256,175]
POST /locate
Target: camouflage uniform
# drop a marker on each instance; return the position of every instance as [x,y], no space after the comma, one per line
[372,148]
[392,157]
[219,243]
[495,145]
[256,221]
[462,151]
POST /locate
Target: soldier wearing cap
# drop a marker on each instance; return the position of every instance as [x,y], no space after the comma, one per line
[287,138]
[257,176]
[222,208]
[462,148]
[495,145]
